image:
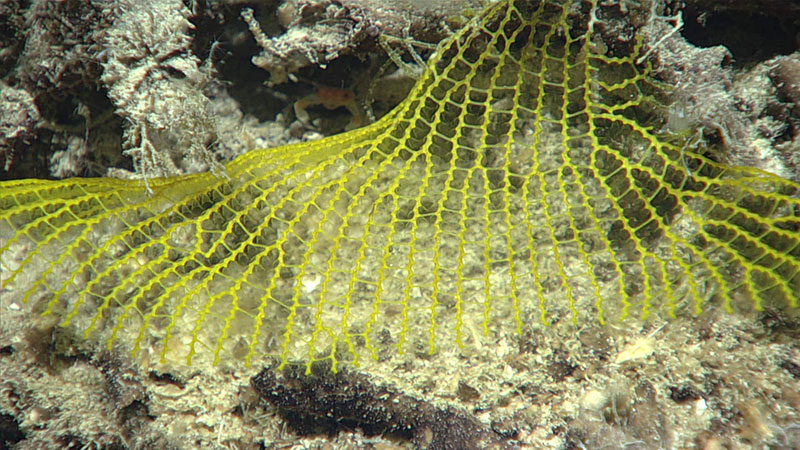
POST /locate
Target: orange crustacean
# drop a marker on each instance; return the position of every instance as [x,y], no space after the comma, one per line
[331,98]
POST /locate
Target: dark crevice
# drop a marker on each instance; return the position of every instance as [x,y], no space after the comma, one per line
[749,37]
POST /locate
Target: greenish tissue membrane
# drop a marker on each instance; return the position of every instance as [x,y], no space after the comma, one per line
[522,180]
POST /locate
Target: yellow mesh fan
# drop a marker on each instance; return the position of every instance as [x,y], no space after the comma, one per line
[519,180]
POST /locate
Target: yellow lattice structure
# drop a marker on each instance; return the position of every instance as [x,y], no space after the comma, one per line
[520,179]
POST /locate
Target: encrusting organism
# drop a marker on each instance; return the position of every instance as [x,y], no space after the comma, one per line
[523,178]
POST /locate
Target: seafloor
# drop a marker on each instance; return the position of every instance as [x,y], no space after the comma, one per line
[133,88]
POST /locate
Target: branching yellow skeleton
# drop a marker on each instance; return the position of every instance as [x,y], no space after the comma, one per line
[520,180]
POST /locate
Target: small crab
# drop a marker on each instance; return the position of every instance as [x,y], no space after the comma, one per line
[331,98]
